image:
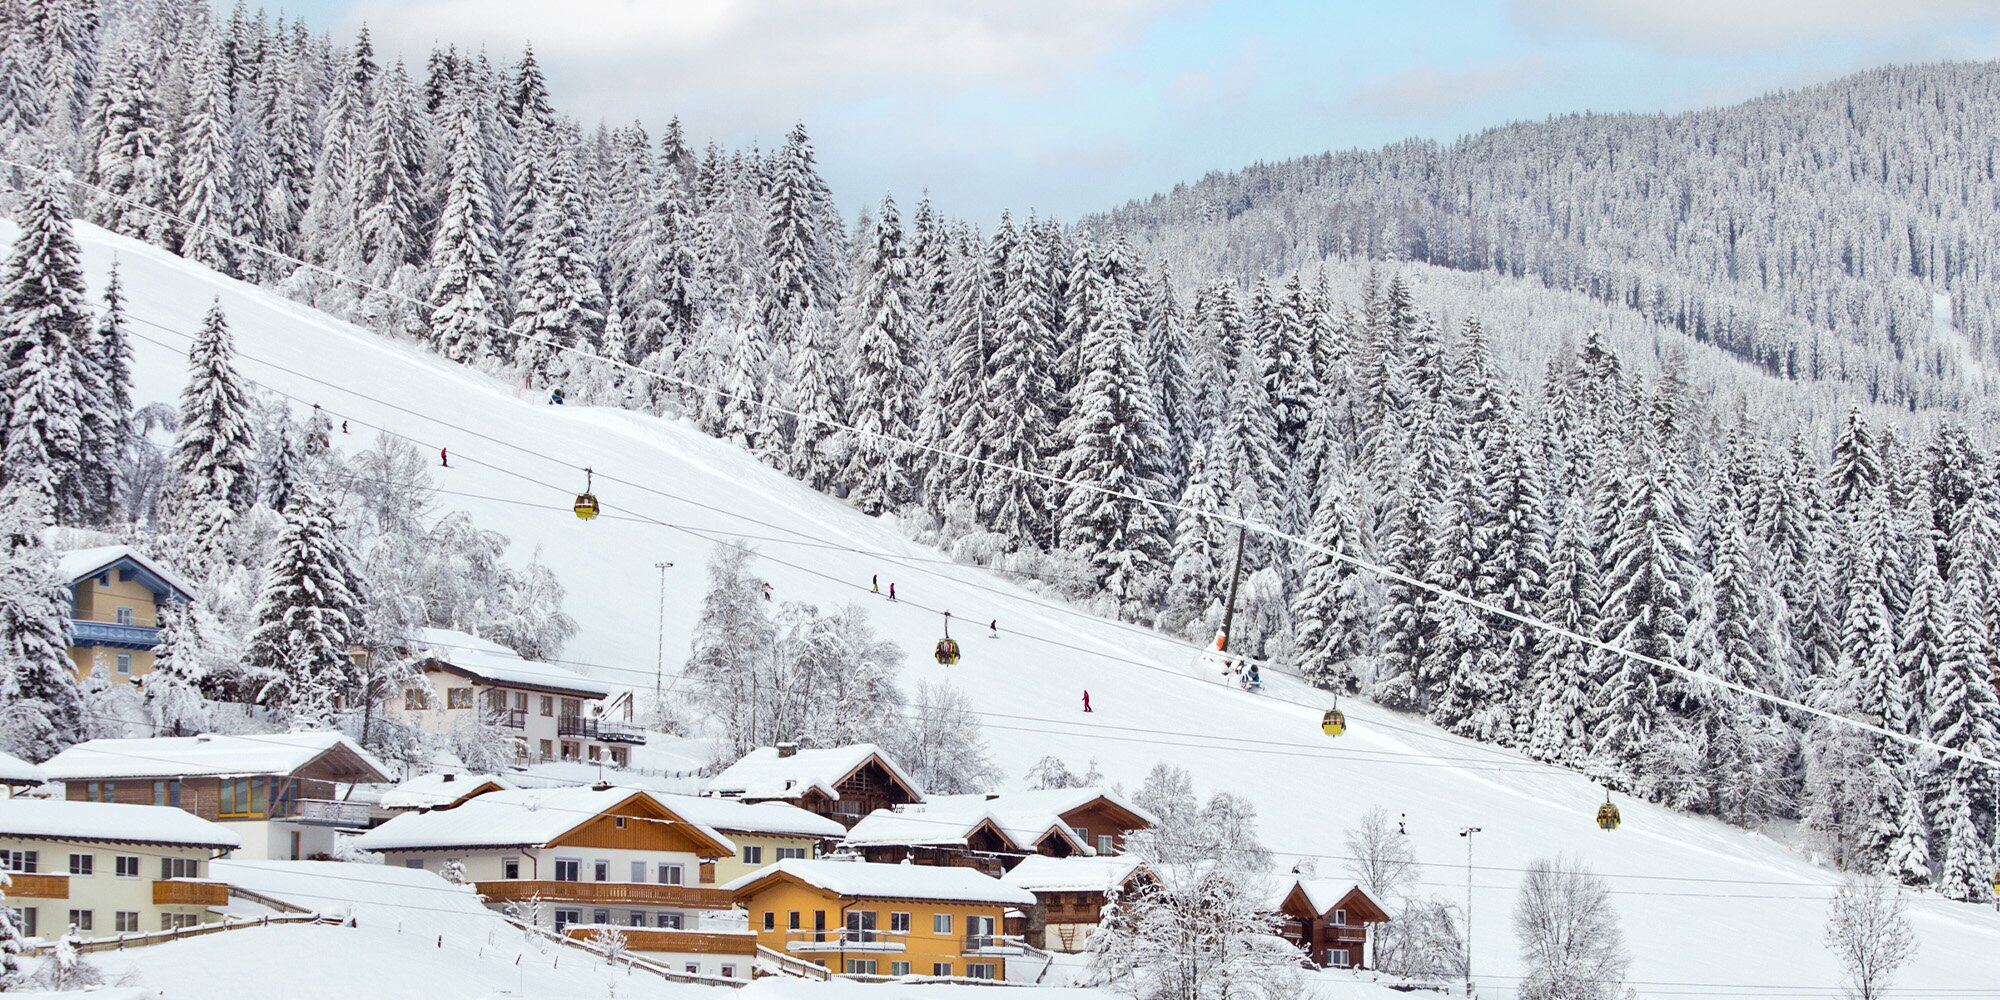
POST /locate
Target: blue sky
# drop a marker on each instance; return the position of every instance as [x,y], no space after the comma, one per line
[1067,106]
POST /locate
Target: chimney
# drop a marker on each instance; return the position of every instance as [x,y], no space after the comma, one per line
[788,749]
[990,796]
[448,776]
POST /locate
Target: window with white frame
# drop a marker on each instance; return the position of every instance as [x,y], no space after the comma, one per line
[128,866]
[941,924]
[124,663]
[82,864]
[672,875]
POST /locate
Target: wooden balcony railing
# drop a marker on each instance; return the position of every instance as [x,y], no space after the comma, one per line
[608,893]
[179,892]
[191,893]
[668,939]
[39,886]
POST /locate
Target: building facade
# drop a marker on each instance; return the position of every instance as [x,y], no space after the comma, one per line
[871,920]
[842,783]
[279,793]
[108,869]
[551,713]
[116,596]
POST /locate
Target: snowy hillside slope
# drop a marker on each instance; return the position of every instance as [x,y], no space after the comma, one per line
[1708,909]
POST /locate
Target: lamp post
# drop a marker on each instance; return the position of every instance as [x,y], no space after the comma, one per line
[1467,833]
[660,648]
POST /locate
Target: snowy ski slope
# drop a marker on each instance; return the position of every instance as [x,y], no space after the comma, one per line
[1708,910]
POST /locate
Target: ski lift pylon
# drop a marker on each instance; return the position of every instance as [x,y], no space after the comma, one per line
[947,647]
[586,502]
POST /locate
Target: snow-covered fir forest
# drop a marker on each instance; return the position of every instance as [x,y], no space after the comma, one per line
[1774,477]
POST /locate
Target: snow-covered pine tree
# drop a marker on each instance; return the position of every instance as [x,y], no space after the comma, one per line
[1331,609]
[210,482]
[389,188]
[1565,675]
[1477,679]
[307,618]
[884,376]
[130,161]
[1167,350]
[803,254]
[1115,450]
[205,160]
[558,303]
[1022,394]
[172,690]
[111,348]
[48,381]
[286,89]
[1965,716]
[1290,378]
[23,89]
[963,398]
[1649,581]
[45,709]
[1922,635]
[465,297]
[816,456]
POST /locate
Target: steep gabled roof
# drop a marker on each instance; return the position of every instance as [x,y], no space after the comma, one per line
[81,564]
[524,817]
[59,819]
[217,755]
[950,820]
[731,816]
[1073,874]
[861,880]
[763,774]
[478,658]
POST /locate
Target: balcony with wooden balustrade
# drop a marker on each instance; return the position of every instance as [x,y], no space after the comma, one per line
[604,893]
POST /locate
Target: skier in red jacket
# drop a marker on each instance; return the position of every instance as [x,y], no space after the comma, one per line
[444,457]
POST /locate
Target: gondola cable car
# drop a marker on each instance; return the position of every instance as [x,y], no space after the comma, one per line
[1334,722]
[586,502]
[1607,814]
[947,647]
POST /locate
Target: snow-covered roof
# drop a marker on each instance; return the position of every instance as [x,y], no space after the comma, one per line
[516,817]
[1075,874]
[873,881]
[15,771]
[763,774]
[1322,894]
[490,661]
[58,819]
[949,821]
[77,564]
[1058,801]
[211,754]
[427,791]
[731,816]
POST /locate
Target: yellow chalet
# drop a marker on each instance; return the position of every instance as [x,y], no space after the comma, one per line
[115,599]
[862,919]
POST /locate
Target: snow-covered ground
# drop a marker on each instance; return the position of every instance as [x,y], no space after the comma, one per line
[1707,909]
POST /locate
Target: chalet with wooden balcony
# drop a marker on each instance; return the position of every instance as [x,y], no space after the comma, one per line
[558,857]
[108,868]
[1327,919]
[1070,896]
[116,596]
[553,713]
[843,784]
[867,920]
[285,795]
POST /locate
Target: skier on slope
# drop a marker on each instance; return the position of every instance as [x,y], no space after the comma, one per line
[892,590]
[444,457]
[875,583]
[1086,701]
[995,626]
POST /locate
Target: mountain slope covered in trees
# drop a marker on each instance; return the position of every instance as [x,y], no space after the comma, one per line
[1701,901]
[1808,231]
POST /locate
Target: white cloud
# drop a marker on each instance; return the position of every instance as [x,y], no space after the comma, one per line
[1430,90]
[1701,26]
[784,56]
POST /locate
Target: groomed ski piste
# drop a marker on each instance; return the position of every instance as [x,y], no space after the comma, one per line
[1708,910]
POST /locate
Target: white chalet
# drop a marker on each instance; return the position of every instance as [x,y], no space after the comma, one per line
[552,713]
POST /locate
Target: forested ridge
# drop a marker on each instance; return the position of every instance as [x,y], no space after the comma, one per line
[1197,353]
